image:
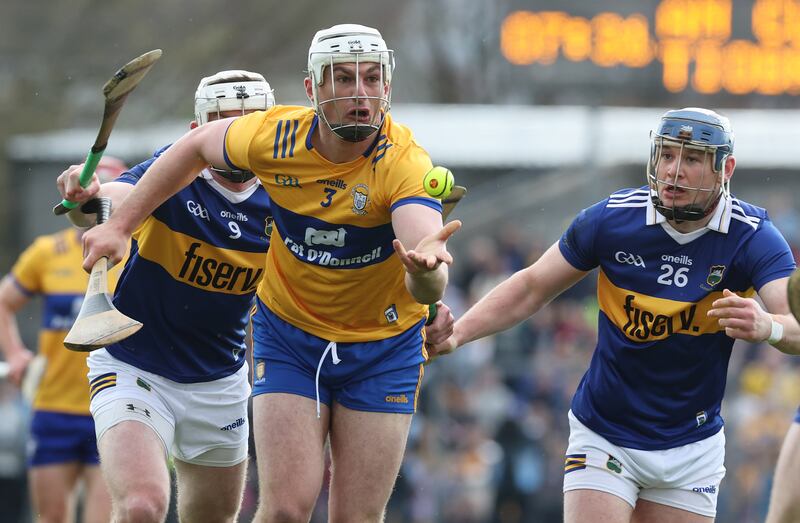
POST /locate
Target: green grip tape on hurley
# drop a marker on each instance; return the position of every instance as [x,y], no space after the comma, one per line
[92,159]
[432,311]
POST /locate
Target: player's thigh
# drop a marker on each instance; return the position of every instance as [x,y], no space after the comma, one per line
[595,506]
[366,452]
[290,449]
[784,502]
[209,494]
[133,460]
[52,489]
[650,512]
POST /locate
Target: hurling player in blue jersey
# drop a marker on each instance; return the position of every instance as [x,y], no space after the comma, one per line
[179,387]
[338,328]
[680,261]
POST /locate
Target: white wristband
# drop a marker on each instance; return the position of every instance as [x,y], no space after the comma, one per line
[777,333]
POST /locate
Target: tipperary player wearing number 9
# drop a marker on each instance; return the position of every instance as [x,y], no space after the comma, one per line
[680,261]
[338,327]
[179,387]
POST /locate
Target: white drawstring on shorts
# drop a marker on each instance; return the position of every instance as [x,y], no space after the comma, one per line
[335,358]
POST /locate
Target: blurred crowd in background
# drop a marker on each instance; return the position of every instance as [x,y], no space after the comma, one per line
[487,443]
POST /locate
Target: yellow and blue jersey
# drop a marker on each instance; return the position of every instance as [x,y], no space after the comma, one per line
[332,269]
[657,376]
[191,276]
[51,267]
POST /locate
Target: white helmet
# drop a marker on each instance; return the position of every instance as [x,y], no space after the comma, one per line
[233,90]
[351,43]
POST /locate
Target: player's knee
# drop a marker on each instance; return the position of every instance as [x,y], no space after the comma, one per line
[142,505]
[373,516]
[278,513]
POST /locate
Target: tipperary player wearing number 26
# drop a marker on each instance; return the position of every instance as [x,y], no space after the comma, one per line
[680,260]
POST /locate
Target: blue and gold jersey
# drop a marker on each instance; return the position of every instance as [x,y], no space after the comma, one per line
[332,269]
[658,372]
[51,267]
[194,267]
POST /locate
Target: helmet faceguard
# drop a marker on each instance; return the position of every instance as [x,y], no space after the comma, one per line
[235,90]
[357,45]
[684,135]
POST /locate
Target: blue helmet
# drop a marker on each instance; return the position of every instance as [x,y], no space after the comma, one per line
[701,126]
[696,129]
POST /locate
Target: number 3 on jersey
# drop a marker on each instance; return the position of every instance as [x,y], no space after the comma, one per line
[328,198]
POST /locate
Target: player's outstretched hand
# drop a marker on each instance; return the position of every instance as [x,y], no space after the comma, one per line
[430,252]
[70,187]
[103,240]
[742,318]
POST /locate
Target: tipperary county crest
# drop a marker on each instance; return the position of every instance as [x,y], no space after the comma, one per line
[613,464]
[715,275]
[360,198]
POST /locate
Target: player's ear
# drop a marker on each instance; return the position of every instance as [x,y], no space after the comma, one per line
[730,165]
[309,88]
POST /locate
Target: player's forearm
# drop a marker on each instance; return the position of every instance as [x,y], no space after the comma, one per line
[506,305]
[427,286]
[10,341]
[790,338]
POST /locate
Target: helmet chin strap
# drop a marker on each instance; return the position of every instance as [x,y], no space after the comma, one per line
[235,176]
[687,213]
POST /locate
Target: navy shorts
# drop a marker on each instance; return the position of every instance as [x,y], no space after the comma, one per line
[375,376]
[62,438]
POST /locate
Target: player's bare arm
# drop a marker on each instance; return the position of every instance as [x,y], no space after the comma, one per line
[11,345]
[426,264]
[174,169]
[745,319]
[514,300]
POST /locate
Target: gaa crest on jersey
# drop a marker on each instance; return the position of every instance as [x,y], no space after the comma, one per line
[360,198]
[715,275]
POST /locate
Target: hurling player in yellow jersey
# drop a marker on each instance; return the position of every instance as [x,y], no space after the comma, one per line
[338,327]
[63,447]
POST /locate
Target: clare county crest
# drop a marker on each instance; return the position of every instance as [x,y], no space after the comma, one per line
[260,368]
[715,275]
[360,198]
[268,224]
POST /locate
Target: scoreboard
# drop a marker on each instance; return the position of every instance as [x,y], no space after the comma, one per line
[692,47]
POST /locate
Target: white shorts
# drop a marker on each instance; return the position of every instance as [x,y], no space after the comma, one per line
[200,423]
[686,477]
